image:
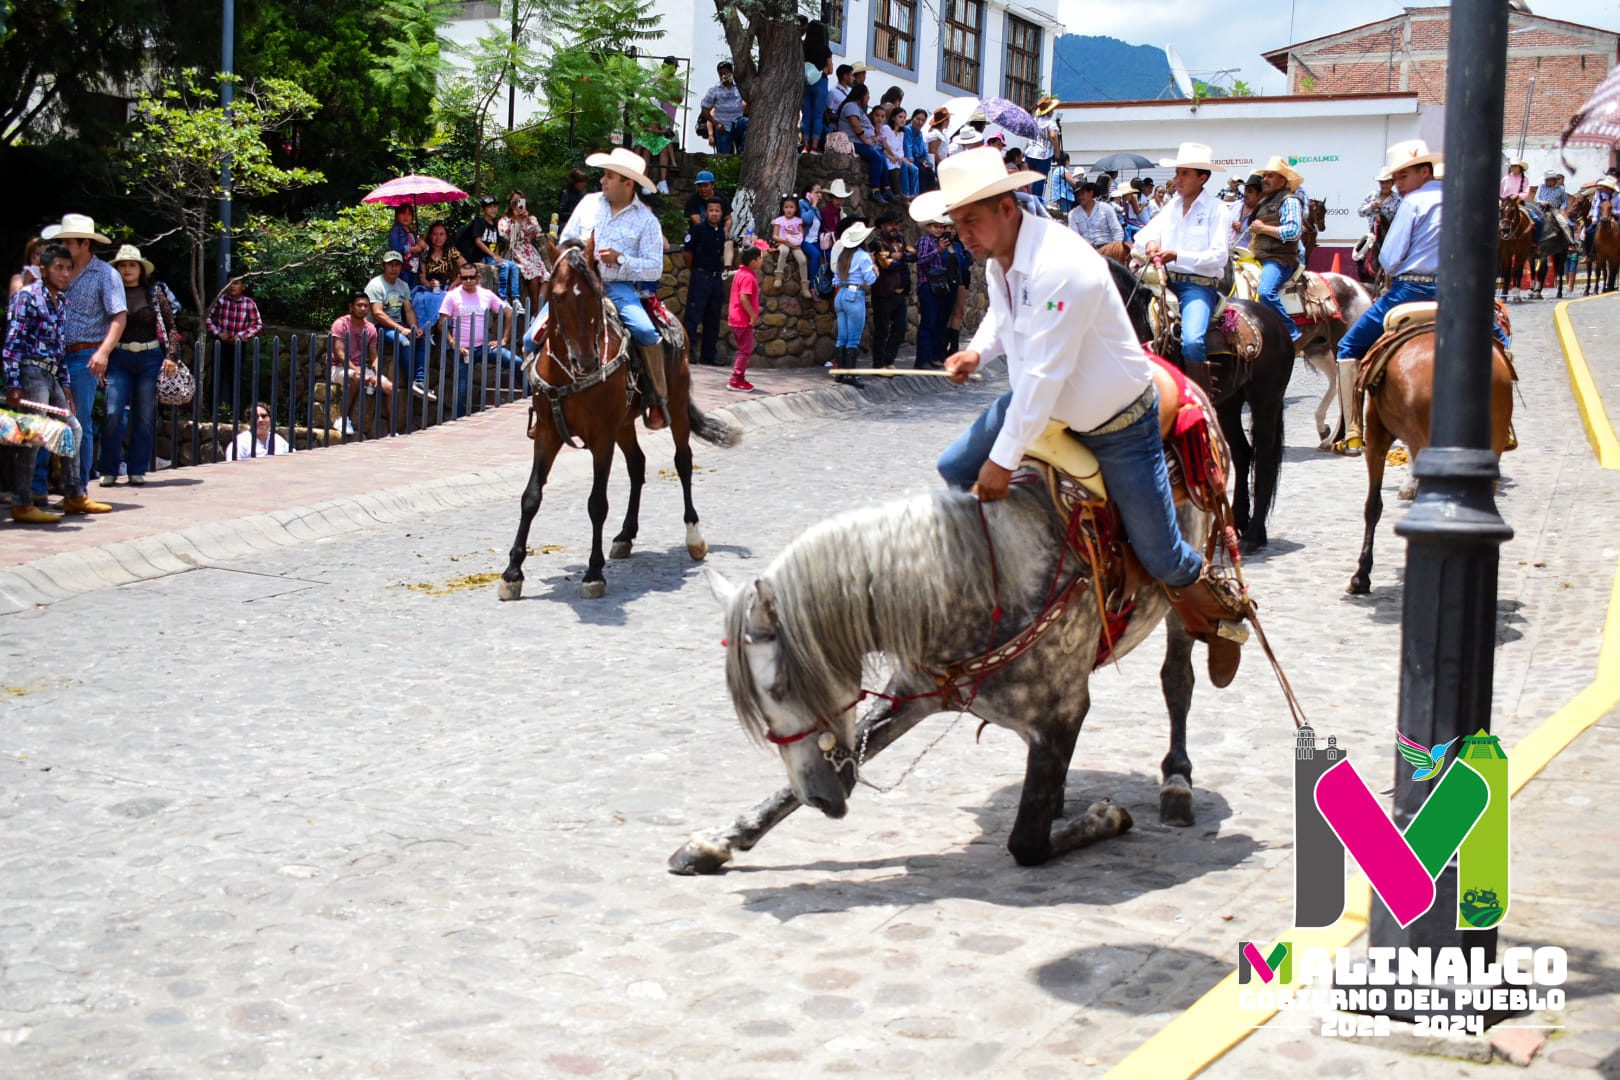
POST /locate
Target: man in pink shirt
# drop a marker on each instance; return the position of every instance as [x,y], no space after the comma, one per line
[465,316]
[354,362]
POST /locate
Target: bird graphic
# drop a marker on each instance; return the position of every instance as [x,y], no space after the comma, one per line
[1426,762]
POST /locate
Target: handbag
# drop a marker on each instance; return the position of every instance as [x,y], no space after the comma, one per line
[176,389]
[812,74]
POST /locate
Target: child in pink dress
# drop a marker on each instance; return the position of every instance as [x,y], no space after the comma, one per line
[788,232]
[744,316]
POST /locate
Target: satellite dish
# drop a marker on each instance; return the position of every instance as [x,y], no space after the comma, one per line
[1178,71]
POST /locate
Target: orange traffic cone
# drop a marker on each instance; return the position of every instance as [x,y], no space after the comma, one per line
[1336,269]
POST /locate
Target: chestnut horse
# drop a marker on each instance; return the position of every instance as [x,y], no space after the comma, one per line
[1604,265]
[1516,242]
[1315,221]
[1399,408]
[584,395]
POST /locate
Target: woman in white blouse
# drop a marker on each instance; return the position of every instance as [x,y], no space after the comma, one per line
[259,438]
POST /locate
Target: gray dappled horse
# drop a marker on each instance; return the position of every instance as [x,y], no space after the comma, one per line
[914,584]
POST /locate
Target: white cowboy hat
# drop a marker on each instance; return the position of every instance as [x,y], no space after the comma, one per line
[854,236]
[1280,166]
[49,232]
[1524,166]
[859,66]
[968,137]
[1608,183]
[131,253]
[624,162]
[1192,155]
[1412,152]
[968,177]
[1384,175]
[1552,174]
[79,227]
[839,189]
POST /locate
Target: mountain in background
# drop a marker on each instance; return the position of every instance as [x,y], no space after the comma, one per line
[1089,68]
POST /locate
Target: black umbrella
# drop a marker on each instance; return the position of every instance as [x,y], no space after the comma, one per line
[1120,162]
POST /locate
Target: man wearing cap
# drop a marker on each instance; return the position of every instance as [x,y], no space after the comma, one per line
[724,111]
[705,284]
[480,242]
[697,209]
[629,249]
[1072,356]
[1274,228]
[1095,219]
[1192,238]
[93,320]
[395,316]
[1411,258]
[32,359]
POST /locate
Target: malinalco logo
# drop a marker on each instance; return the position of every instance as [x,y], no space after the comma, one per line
[1466,814]
[1277,966]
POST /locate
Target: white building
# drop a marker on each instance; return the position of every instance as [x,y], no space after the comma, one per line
[933,49]
[1336,142]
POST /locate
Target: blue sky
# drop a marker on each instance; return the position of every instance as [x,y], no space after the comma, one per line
[1221,34]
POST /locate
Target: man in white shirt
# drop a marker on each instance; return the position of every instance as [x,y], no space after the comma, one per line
[629,250]
[1094,219]
[1071,356]
[1192,238]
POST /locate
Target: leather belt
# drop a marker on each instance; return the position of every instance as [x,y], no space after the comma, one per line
[77,345]
[1127,416]
[1192,279]
[140,346]
[1418,279]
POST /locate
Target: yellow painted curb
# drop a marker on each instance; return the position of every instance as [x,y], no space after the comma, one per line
[1587,399]
[1214,1023]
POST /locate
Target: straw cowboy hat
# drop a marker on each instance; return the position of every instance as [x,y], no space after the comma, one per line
[969,137]
[1384,175]
[1192,155]
[1551,174]
[79,227]
[1046,105]
[839,189]
[968,177]
[854,236]
[1524,166]
[1403,155]
[1608,183]
[131,253]
[1280,166]
[626,163]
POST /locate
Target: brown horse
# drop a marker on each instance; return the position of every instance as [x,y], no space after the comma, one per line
[1604,265]
[585,396]
[1516,242]
[1315,221]
[1398,407]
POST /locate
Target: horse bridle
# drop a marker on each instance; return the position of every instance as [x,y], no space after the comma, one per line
[579,383]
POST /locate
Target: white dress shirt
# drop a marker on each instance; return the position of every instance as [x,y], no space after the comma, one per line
[1200,237]
[633,232]
[1412,245]
[1071,352]
[1099,227]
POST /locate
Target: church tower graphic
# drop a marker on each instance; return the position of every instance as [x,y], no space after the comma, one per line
[1318,854]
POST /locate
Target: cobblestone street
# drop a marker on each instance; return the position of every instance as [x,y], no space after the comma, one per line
[334,811]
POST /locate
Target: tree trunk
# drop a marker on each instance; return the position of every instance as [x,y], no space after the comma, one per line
[774,90]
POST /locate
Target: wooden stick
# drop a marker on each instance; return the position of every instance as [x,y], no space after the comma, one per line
[892,372]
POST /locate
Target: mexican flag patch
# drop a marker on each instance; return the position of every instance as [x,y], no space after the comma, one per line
[1054,305]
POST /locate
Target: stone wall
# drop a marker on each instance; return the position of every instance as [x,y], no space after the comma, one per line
[793,331]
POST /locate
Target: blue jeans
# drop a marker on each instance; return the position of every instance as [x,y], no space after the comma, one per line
[730,140]
[1359,338]
[507,368]
[1042,166]
[813,122]
[131,381]
[1197,305]
[813,255]
[910,180]
[1132,462]
[1272,275]
[850,305]
[635,317]
[877,166]
[84,404]
[508,282]
[933,311]
[412,352]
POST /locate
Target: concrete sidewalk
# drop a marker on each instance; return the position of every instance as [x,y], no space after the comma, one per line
[184,518]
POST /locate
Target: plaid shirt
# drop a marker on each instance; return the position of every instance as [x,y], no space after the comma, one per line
[34,329]
[237,316]
[633,232]
[95,296]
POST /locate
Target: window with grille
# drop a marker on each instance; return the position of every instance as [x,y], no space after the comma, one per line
[894,34]
[1023,81]
[835,15]
[962,40]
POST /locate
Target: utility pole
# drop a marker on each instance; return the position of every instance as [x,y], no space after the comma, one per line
[511,78]
[227,87]
[1453,531]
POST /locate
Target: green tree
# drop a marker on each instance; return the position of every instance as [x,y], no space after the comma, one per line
[507,57]
[599,76]
[180,135]
[773,86]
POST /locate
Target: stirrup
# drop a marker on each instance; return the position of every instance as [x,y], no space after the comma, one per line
[1350,447]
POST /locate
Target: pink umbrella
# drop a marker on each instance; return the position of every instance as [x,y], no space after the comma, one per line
[415,191]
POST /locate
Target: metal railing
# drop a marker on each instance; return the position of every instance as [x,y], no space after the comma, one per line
[315,402]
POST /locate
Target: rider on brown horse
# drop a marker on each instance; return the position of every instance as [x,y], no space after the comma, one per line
[1274,228]
[629,250]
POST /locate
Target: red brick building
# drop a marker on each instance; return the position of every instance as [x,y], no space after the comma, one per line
[1407,53]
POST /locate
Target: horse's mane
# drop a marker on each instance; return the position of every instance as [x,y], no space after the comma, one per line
[886,579]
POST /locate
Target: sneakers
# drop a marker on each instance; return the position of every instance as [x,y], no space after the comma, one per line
[84,504]
[742,386]
[663,187]
[137,481]
[108,481]
[34,515]
[424,393]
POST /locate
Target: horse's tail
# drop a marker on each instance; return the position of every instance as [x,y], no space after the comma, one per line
[712,429]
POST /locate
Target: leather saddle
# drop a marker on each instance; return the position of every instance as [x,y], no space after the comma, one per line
[1059,449]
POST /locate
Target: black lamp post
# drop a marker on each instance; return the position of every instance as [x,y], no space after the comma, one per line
[1453,531]
[227,66]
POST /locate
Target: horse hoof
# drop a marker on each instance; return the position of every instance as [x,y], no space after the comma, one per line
[619,550]
[1324,433]
[699,552]
[1408,490]
[1252,544]
[592,590]
[1176,803]
[1112,818]
[699,856]
[1359,586]
[509,590]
